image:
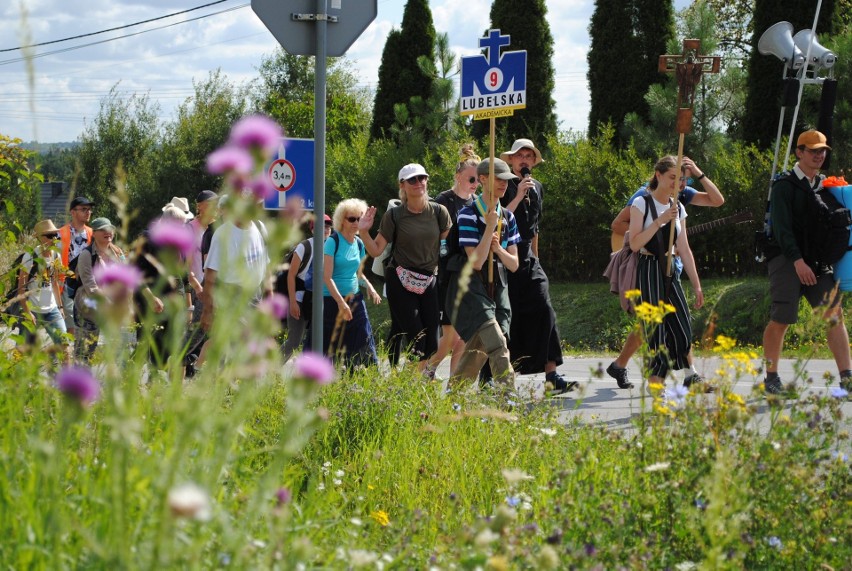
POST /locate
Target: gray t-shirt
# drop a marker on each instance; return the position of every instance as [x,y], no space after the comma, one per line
[417,237]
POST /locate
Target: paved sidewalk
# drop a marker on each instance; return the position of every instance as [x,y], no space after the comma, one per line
[600,400]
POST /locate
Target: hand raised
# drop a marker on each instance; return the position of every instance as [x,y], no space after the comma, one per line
[367,219]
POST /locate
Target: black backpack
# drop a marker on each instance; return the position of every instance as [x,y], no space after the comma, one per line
[11,278]
[73,281]
[827,231]
[280,284]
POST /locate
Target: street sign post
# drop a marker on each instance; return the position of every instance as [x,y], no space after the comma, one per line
[302,28]
[291,171]
[293,23]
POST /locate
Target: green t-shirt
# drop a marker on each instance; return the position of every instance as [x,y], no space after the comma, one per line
[418,236]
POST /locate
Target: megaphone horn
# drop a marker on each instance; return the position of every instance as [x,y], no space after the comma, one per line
[820,55]
[777,40]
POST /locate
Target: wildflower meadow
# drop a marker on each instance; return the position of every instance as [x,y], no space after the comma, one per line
[252,464]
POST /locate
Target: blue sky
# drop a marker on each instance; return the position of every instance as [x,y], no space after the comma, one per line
[68,86]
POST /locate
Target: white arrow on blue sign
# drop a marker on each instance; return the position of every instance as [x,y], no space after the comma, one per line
[496,85]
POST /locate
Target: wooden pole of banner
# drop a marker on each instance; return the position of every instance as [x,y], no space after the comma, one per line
[688,68]
[490,202]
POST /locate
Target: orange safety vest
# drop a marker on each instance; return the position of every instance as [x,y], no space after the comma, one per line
[65,235]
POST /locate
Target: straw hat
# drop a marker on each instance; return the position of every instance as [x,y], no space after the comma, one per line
[45,227]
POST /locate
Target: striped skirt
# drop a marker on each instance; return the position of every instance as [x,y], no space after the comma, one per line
[669,342]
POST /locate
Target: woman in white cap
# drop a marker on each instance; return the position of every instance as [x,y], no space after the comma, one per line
[415,230]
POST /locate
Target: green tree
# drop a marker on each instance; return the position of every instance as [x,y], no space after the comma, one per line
[763,102]
[177,166]
[19,185]
[285,92]
[400,76]
[125,131]
[434,119]
[718,98]
[526,23]
[627,39]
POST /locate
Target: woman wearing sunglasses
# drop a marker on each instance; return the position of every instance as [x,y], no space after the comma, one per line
[454,199]
[415,229]
[347,333]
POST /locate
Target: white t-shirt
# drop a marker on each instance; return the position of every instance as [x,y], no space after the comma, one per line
[238,255]
[639,203]
[40,289]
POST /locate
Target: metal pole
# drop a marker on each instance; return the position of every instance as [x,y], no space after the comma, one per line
[319,172]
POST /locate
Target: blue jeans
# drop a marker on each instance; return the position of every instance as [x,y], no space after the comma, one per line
[53,323]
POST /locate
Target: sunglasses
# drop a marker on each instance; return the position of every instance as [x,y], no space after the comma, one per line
[417,178]
[471,180]
[688,180]
[353,219]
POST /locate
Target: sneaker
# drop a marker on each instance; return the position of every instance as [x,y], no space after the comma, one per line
[620,375]
[694,379]
[846,384]
[773,386]
[555,384]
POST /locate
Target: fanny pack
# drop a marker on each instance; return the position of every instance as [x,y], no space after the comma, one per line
[412,281]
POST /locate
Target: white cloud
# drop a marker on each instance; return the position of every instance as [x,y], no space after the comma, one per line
[68,85]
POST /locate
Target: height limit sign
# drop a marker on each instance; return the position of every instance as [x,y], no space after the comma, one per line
[291,172]
[493,85]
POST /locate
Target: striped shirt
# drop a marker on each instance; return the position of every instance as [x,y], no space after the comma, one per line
[471,224]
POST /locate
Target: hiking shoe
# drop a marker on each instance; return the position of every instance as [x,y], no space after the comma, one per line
[773,386]
[555,384]
[695,379]
[620,375]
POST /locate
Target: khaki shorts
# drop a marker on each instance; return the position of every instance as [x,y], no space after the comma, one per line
[786,290]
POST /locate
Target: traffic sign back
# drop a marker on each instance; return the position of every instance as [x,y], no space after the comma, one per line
[291,24]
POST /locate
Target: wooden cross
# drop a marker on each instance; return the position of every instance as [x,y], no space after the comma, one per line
[688,68]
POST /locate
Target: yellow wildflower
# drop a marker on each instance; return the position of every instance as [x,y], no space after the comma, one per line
[633,294]
[724,343]
[380,517]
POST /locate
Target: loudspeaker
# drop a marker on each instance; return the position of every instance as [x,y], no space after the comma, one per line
[820,56]
[777,40]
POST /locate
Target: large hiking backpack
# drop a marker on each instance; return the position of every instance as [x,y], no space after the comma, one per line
[827,236]
[280,284]
[11,279]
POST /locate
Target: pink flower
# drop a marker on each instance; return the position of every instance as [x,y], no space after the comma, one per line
[256,131]
[77,383]
[315,367]
[283,495]
[172,234]
[229,159]
[128,276]
[275,305]
[262,188]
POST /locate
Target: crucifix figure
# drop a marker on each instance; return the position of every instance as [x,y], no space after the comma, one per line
[688,68]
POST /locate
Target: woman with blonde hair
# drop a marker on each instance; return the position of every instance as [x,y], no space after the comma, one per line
[454,199]
[415,229]
[347,333]
[650,216]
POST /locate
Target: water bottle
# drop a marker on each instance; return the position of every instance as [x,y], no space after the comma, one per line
[444,250]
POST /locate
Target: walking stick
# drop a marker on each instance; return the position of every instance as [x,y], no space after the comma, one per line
[490,202]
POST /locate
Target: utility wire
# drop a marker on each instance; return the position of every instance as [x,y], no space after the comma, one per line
[80,46]
[113,29]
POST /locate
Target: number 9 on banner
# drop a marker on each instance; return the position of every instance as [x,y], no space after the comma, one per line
[494,78]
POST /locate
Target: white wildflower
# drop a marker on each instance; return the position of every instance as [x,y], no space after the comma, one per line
[514,476]
[189,501]
[657,467]
[485,538]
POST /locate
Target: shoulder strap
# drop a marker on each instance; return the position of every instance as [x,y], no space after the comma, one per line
[308,242]
[336,239]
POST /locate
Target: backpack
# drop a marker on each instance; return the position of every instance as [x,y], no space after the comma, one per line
[827,230]
[12,277]
[280,284]
[73,281]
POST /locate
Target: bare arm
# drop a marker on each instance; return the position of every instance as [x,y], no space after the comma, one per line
[292,272]
[328,271]
[622,222]
[479,254]
[639,236]
[712,196]
[685,253]
[373,247]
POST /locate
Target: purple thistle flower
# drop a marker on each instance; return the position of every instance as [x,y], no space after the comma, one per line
[229,159]
[172,234]
[262,188]
[256,131]
[315,367]
[283,495]
[78,384]
[128,276]
[275,305]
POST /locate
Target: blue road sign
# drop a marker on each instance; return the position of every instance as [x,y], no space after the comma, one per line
[493,86]
[292,172]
